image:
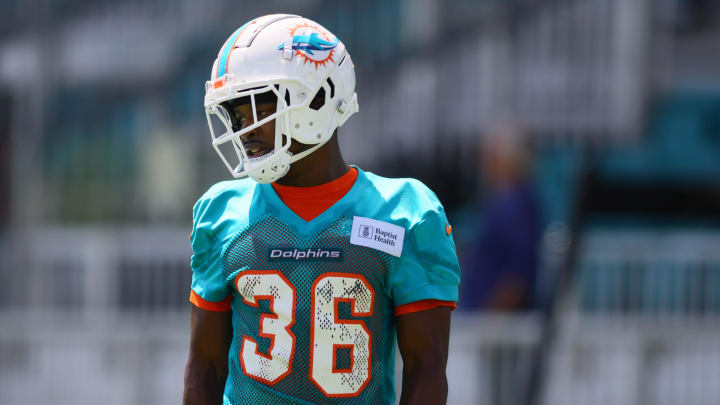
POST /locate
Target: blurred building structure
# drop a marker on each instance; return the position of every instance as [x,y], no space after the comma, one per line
[104,148]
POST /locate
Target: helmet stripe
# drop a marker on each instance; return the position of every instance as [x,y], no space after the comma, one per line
[225,56]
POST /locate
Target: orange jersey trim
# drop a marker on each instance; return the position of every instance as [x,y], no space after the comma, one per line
[309,202]
[200,302]
[422,306]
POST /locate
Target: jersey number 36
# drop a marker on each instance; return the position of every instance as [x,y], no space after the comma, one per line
[328,334]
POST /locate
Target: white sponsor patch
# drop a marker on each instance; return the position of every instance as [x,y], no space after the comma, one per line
[378,235]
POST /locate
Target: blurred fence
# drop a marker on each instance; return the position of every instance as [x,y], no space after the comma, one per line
[103,358]
[102,317]
[643,326]
[89,270]
[656,274]
[99,315]
[431,78]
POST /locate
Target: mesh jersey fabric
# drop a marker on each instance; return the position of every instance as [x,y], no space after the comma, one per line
[321,328]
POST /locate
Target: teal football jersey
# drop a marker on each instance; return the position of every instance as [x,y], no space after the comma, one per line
[313,302]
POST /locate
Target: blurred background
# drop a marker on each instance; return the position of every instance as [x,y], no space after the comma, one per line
[574,143]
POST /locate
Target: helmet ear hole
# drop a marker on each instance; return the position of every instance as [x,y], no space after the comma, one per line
[332,88]
[319,100]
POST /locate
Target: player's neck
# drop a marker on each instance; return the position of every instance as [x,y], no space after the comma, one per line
[322,166]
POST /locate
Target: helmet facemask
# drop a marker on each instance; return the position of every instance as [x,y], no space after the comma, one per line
[227,135]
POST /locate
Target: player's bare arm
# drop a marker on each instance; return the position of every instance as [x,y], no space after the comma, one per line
[423,342]
[207,368]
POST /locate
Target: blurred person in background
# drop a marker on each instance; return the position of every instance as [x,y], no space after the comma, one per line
[304,272]
[499,270]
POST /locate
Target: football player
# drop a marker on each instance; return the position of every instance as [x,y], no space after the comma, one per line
[307,271]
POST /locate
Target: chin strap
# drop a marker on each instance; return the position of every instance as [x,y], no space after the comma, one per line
[298,156]
[268,172]
[265,177]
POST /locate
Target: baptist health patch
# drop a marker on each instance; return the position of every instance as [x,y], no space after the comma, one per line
[378,235]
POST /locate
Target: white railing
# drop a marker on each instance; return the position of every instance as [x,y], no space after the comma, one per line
[100,316]
[111,359]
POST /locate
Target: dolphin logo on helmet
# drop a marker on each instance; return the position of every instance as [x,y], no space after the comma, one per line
[310,43]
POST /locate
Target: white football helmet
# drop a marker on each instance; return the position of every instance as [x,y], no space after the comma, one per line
[292,59]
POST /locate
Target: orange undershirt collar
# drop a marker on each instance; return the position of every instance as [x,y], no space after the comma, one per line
[309,202]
